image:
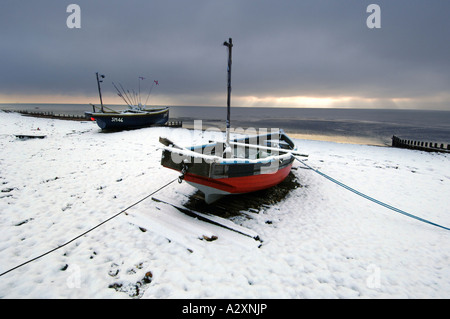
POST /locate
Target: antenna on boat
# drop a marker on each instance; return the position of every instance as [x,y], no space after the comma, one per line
[99,90]
[139,84]
[228,44]
[135,96]
[121,94]
[129,99]
[151,88]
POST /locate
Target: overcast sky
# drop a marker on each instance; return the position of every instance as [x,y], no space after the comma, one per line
[308,53]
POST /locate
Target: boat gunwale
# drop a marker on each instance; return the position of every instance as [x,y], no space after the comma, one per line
[112,114]
[234,160]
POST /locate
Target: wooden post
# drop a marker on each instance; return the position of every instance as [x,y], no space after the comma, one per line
[228,44]
[99,90]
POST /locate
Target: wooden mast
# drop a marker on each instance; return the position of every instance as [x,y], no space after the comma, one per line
[99,91]
[228,44]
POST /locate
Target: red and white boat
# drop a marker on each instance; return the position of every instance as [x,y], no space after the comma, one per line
[216,171]
[239,166]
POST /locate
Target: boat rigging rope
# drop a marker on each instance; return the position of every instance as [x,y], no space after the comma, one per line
[91,229]
[371,198]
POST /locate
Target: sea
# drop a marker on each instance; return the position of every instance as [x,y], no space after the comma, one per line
[360,126]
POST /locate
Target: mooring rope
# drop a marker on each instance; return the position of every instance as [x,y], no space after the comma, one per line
[88,231]
[371,198]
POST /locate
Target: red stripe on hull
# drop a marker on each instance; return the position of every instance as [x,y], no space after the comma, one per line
[239,185]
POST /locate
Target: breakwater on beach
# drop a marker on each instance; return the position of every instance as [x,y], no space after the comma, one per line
[72,117]
[420,145]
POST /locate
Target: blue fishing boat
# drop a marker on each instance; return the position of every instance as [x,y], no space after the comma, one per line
[129,119]
[137,114]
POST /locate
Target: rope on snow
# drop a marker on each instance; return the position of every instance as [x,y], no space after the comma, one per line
[91,229]
[371,198]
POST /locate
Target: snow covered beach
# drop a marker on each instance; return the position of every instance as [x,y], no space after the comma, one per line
[321,241]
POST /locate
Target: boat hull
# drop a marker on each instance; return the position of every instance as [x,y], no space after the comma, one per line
[217,188]
[118,121]
[224,176]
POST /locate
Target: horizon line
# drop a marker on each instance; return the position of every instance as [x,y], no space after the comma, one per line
[240,106]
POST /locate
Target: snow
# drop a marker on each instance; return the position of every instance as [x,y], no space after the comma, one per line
[322,241]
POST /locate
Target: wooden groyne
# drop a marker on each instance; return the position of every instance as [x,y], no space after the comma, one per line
[174,124]
[420,145]
[51,115]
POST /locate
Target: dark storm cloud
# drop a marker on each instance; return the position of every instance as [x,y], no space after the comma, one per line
[282,48]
